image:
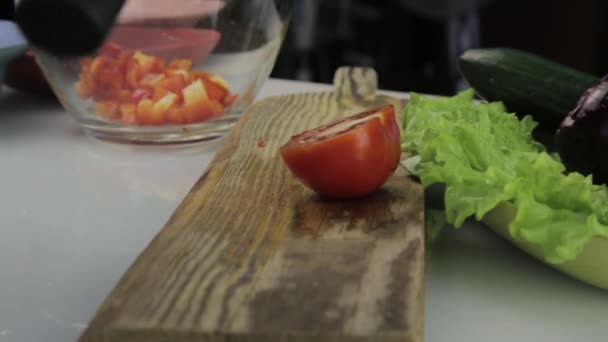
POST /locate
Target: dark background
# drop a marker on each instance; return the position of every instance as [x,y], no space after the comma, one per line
[414,44]
[6,9]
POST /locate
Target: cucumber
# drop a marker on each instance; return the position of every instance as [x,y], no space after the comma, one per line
[526,83]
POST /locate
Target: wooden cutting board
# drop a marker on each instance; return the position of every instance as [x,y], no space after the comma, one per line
[252,255]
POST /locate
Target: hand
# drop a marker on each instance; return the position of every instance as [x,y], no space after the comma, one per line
[150,10]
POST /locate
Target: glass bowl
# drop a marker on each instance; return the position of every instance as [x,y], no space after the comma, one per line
[172,71]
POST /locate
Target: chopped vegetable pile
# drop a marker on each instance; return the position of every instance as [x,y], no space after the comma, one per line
[141,89]
[486,156]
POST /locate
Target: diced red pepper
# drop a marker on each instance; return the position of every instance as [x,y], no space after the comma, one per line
[140,93]
[107,109]
[141,89]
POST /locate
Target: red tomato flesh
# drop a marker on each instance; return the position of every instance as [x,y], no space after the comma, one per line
[351,157]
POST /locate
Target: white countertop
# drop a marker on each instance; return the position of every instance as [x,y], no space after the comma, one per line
[75,212]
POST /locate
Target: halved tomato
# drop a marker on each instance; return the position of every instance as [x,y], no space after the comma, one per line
[351,157]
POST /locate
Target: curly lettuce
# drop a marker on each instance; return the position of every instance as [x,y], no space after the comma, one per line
[486,156]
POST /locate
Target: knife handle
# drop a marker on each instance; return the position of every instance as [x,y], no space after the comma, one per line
[67,27]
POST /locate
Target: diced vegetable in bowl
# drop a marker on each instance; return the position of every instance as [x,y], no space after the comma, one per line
[169,75]
[140,89]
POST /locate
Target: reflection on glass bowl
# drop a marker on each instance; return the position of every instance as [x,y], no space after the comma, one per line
[172,72]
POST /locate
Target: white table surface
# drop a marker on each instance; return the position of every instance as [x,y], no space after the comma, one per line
[75,212]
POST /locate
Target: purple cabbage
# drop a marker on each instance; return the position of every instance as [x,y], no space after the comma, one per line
[582,139]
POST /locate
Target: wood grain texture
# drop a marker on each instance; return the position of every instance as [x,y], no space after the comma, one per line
[252,255]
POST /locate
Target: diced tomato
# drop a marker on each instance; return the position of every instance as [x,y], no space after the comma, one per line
[198,114]
[133,74]
[176,116]
[196,102]
[149,113]
[154,119]
[219,81]
[216,107]
[203,111]
[145,62]
[129,118]
[151,79]
[214,90]
[97,64]
[107,109]
[229,100]
[140,93]
[137,88]
[127,110]
[165,103]
[174,84]
[159,93]
[198,105]
[184,64]
[123,62]
[111,79]
[195,93]
[158,66]
[185,75]
[144,113]
[122,95]
[110,50]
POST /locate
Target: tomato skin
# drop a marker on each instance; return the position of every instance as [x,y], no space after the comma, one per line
[349,164]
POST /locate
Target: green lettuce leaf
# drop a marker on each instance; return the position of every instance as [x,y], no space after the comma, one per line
[486,156]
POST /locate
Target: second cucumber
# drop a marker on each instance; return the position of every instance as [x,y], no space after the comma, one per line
[526,83]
